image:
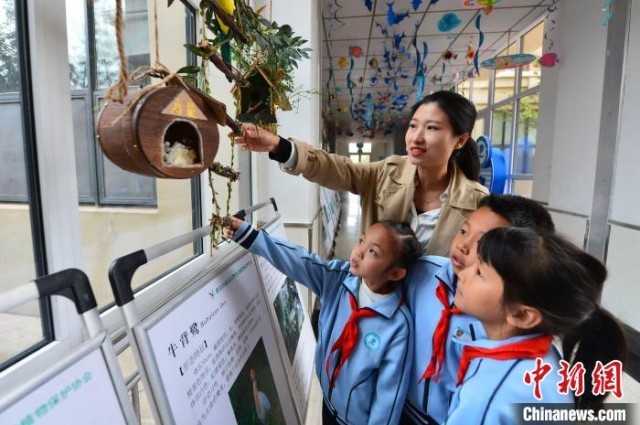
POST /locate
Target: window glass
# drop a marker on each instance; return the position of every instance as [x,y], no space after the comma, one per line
[360,159]
[504,84]
[532,44]
[522,188]
[366,147]
[527,134]
[478,128]
[480,89]
[121,212]
[464,88]
[21,327]
[502,127]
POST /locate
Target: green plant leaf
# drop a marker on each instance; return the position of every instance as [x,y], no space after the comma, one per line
[192,69]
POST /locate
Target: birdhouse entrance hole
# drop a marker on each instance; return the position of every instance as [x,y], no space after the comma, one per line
[182,145]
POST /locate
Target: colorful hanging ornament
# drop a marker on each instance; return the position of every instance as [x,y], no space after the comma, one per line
[508,61]
[548,60]
[355,51]
[448,55]
[448,22]
[485,5]
[470,53]
[342,62]
[373,63]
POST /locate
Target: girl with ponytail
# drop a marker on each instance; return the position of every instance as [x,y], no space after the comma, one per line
[527,288]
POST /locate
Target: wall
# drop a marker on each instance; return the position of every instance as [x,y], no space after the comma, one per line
[581,48]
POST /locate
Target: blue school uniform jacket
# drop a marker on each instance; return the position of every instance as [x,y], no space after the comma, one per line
[427,400]
[372,383]
[491,387]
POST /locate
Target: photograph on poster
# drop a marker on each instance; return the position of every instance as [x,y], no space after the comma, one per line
[253,395]
[290,315]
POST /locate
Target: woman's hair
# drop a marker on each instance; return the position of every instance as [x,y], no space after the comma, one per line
[407,248]
[545,271]
[462,117]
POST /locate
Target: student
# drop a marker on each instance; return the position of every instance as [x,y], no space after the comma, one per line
[521,308]
[365,343]
[434,187]
[430,287]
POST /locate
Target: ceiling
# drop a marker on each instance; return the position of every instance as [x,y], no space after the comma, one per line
[387,63]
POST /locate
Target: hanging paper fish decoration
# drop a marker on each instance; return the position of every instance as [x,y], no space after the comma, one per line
[355,51]
[374,81]
[416,4]
[433,2]
[373,63]
[368,4]
[383,30]
[361,79]
[342,62]
[397,39]
[392,18]
[435,79]
[548,60]
[448,55]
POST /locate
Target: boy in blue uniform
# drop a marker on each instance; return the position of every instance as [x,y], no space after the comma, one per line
[430,287]
[521,308]
[365,342]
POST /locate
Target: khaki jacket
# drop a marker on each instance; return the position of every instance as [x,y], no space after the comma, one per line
[386,190]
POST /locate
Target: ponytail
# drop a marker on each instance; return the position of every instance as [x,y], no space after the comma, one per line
[467,160]
[599,338]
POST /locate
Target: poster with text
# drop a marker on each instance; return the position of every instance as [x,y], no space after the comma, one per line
[294,329]
[216,355]
[69,397]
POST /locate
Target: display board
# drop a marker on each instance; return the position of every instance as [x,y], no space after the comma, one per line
[293,326]
[67,393]
[330,204]
[66,390]
[211,355]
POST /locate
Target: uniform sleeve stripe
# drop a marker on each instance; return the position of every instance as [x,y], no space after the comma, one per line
[247,237]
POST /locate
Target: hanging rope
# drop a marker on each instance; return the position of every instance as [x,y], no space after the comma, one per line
[155,31]
[118,91]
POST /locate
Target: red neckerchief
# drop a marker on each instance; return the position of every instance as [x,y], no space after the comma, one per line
[440,334]
[527,349]
[346,342]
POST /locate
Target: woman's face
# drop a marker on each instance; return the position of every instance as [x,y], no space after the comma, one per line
[429,139]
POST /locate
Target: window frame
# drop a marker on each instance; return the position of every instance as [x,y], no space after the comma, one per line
[488,113]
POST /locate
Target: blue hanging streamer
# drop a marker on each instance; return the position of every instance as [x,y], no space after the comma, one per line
[418,83]
[552,8]
[480,41]
[350,84]
[368,111]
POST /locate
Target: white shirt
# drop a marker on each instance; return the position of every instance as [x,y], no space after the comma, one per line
[367,297]
[424,224]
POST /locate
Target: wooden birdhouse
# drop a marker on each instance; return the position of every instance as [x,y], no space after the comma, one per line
[256,99]
[167,132]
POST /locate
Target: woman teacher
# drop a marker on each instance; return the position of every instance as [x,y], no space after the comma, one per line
[434,187]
